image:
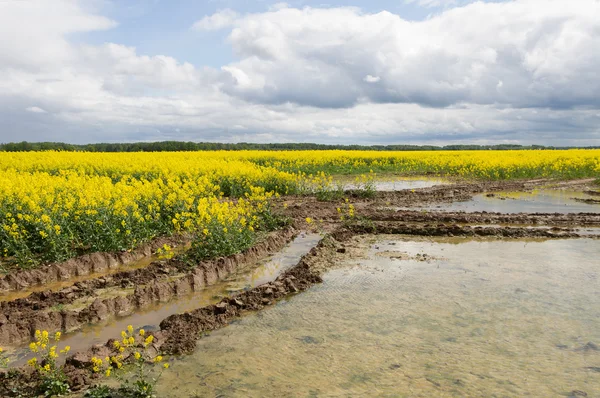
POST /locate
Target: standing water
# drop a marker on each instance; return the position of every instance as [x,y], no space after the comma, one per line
[539,201]
[391,183]
[418,318]
[149,318]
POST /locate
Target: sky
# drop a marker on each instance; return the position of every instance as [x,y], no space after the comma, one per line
[432,72]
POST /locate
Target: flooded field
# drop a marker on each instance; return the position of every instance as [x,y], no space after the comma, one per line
[393,183]
[418,318]
[539,201]
[150,317]
[476,293]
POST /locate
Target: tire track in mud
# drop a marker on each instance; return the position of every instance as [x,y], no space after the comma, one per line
[20,318]
[566,219]
[179,333]
[466,231]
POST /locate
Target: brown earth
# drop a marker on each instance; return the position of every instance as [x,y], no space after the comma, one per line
[377,208]
[179,333]
[82,265]
[588,201]
[20,318]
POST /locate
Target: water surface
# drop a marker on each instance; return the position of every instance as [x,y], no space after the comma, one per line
[149,318]
[393,183]
[539,201]
[418,318]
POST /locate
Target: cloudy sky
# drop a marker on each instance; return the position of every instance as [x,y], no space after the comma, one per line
[355,71]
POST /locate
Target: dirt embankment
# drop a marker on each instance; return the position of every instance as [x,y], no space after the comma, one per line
[20,318]
[83,265]
[300,207]
[179,333]
[463,230]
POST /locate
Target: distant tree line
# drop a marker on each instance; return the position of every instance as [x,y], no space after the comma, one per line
[165,146]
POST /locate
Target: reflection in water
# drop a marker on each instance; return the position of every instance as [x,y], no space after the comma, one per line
[542,201]
[479,319]
[391,183]
[149,318]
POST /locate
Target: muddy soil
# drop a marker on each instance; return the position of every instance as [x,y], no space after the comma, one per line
[378,208]
[566,219]
[87,264]
[20,318]
[179,333]
[165,280]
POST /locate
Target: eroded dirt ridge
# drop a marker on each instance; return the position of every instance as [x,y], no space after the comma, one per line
[159,282]
[87,264]
[165,280]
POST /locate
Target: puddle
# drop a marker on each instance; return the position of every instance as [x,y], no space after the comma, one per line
[592,232]
[390,183]
[58,285]
[542,201]
[149,318]
[472,318]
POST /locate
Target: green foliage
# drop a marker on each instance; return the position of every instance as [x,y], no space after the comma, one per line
[165,146]
[138,389]
[3,359]
[54,385]
[323,187]
[53,382]
[100,391]
[328,195]
[365,185]
[349,218]
[217,240]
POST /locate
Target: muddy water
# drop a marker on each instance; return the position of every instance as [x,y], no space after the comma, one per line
[541,201]
[391,183]
[58,285]
[471,318]
[150,317]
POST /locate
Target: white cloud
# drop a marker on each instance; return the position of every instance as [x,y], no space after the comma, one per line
[438,3]
[219,20]
[470,74]
[35,109]
[372,79]
[33,33]
[544,53]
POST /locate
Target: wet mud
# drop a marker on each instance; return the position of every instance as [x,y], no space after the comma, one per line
[123,293]
[180,333]
[21,317]
[88,264]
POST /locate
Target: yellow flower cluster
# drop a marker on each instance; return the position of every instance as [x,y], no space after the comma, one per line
[471,164]
[3,359]
[46,346]
[165,252]
[133,347]
[54,205]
